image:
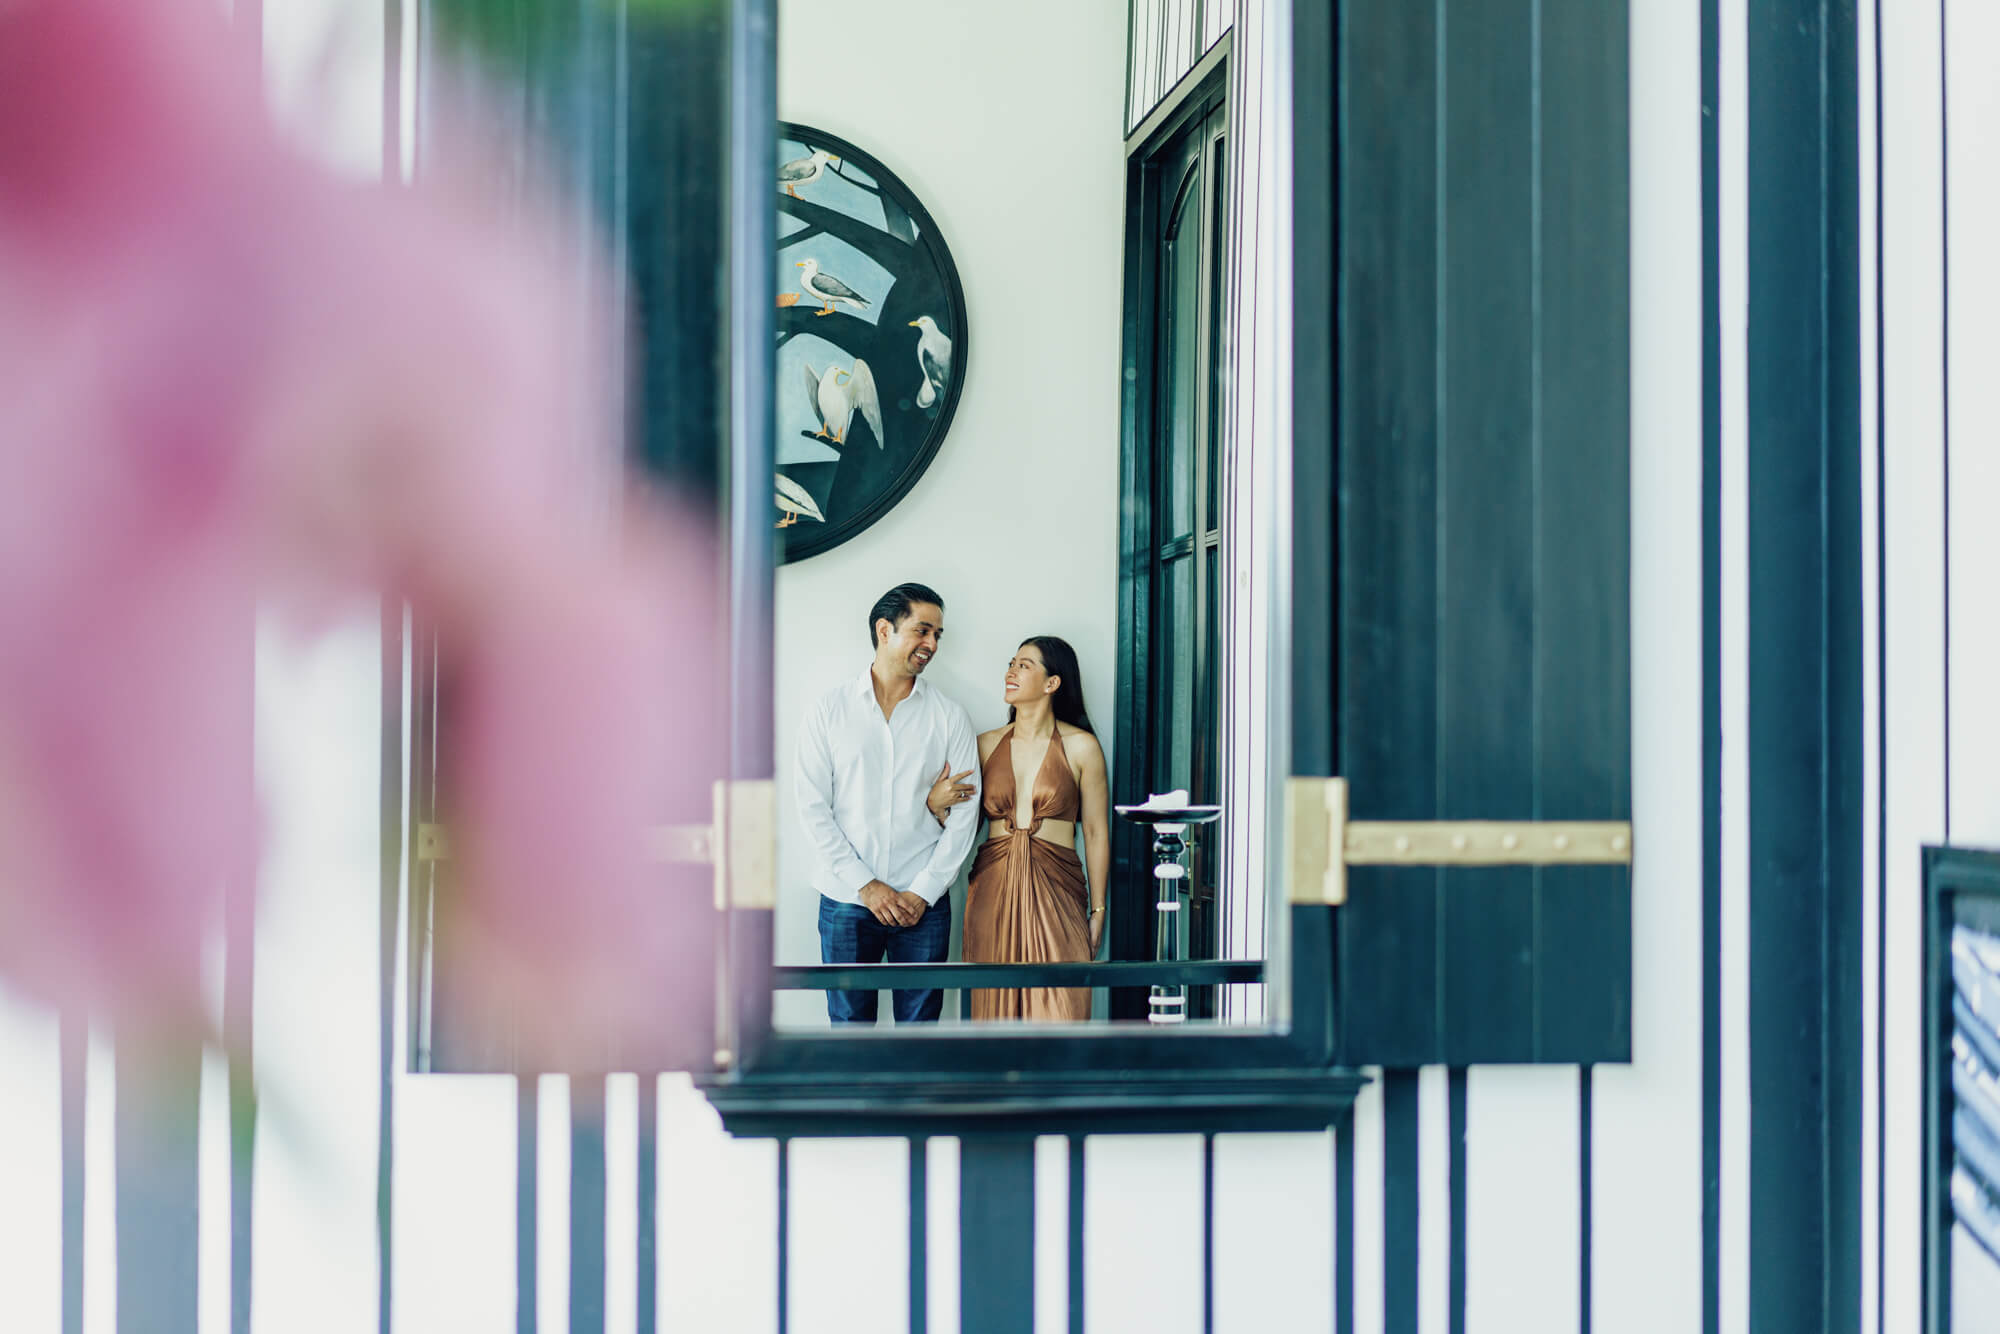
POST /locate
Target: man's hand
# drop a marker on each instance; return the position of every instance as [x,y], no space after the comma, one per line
[892,907]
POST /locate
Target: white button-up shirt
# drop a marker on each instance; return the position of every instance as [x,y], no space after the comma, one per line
[861,782]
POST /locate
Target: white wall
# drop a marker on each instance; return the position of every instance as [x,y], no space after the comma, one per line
[1939,486]
[1005,121]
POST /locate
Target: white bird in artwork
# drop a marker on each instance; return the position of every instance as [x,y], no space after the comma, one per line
[824,287]
[838,393]
[795,503]
[933,358]
[804,170]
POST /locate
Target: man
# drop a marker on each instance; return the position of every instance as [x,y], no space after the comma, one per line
[867,758]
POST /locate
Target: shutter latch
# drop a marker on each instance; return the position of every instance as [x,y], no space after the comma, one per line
[1323,842]
[745,822]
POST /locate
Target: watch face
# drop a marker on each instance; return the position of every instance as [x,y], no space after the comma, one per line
[871,341]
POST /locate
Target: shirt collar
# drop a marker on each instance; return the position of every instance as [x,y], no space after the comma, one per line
[864,685]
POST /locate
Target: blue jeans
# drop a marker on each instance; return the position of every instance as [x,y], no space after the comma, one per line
[849,933]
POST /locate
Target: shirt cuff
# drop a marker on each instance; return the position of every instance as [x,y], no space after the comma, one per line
[929,888]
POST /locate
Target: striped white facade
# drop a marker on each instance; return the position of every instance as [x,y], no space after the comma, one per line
[1531,1262]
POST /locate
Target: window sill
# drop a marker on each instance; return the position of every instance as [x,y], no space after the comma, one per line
[783,1104]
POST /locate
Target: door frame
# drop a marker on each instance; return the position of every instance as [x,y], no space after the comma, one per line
[1131,930]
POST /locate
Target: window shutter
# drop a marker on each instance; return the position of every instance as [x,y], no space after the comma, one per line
[1483,518]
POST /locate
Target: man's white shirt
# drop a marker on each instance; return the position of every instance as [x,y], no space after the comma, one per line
[861,781]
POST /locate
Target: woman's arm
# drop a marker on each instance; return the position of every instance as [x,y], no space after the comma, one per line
[1095,790]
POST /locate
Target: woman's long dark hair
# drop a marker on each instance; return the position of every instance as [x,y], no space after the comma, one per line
[1059,660]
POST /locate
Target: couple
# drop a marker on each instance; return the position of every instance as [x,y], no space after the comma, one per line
[883,789]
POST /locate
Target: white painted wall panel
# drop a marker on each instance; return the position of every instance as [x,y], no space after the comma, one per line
[1257,388]
[212,1199]
[31,1166]
[1972,350]
[1434,1202]
[318,728]
[1913,765]
[1369,1316]
[100,1202]
[318,723]
[941,1201]
[1052,1186]
[1523,1199]
[1646,1158]
[850,1236]
[621,1204]
[1142,1234]
[454,1219]
[1274,1242]
[717,1220]
[552,1207]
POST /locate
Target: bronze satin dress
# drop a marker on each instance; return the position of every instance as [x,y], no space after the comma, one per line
[1027,900]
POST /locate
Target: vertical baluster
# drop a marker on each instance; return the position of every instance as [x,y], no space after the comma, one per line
[1168,1005]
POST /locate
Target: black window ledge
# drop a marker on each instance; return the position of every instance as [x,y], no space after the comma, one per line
[761,1105]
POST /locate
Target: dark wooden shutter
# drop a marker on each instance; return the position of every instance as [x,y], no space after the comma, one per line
[1482,529]
[685,203]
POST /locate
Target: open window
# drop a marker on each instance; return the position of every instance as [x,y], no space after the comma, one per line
[1351,419]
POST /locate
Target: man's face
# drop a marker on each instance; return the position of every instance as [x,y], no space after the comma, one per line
[912,643]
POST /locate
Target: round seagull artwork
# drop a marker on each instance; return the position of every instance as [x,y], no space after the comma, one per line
[933,359]
[854,242]
[795,503]
[804,170]
[827,289]
[837,394]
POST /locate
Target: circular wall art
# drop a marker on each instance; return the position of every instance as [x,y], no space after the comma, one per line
[871,340]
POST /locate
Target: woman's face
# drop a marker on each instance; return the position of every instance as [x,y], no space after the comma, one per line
[1027,678]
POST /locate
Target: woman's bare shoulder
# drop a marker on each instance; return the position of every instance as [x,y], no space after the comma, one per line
[988,740]
[1082,745]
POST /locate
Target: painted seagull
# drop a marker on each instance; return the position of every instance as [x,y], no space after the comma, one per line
[795,503]
[838,393]
[826,288]
[804,170]
[933,358]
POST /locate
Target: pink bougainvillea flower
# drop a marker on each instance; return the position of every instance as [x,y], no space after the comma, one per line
[578,727]
[228,380]
[125,569]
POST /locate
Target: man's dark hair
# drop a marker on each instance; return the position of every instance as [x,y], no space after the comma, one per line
[894,606]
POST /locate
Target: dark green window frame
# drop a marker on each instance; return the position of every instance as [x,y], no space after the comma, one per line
[1171,476]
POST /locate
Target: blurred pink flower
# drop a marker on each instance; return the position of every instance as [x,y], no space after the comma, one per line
[576,726]
[228,380]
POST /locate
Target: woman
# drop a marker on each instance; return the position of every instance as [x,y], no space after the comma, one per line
[1043,775]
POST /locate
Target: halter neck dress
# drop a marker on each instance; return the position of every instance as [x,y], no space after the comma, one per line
[1027,899]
